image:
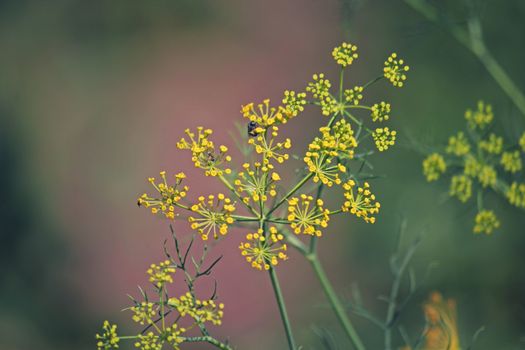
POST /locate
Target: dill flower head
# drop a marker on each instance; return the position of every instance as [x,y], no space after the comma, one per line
[263,252]
[265,116]
[293,103]
[511,161]
[168,195]
[109,338]
[209,311]
[434,166]
[458,145]
[214,215]
[320,90]
[143,312]
[204,154]
[354,95]
[395,70]
[345,54]
[322,169]
[486,222]
[441,331]
[361,203]
[307,216]
[516,194]
[380,111]
[173,336]
[494,144]
[480,117]
[487,176]
[472,166]
[185,305]
[267,146]
[160,274]
[461,187]
[384,138]
[149,341]
[256,182]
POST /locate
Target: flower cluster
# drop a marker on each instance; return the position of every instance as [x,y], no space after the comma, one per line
[262,251]
[201,311]
[307,216]
[214,215]
[109,338]
[329,161]
[395,70]
[361,203]
[168,195]
[479,162]
[203,151]
[160,274]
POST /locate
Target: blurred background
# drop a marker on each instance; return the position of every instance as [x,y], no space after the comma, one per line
[94,96]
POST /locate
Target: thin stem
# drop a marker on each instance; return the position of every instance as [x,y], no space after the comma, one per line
[232,189]
[472,39]
[282,309]
[209,340]
[336,304]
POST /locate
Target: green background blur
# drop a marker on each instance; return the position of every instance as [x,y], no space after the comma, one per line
[95,94]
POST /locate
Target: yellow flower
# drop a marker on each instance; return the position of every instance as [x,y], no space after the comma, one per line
[516,194]
[494,144]
[267,146]
[173,336]
[320,89]
[486,222]
[395,70]
[511,161]
[458,145]
[354,95]
[487,176]
[322,169]
[293,103]
[441,331]
[160,274]
[461,187]
[307,216]
[481,117]
[265,115]
[201,311]
[143,312]
[362,204]
[257,183]
[149,341]
[380,111]
[434,166]
[263,252]
[472,166]
[345,54]
[384,138]
[215,215]
[169,195]
[204,154]
[109,338]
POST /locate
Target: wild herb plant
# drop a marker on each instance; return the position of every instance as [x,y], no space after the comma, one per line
[254,198]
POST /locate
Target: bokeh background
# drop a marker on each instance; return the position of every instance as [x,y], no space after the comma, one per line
[95,94]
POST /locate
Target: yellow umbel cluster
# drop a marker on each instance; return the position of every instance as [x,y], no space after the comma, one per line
[395,70]
[109,338]
[262,251]
[204,154]
[480,117]
[307,216]
[361,203]
[486,222]
[214,215]
[160,274]
[168,195]
[256,182]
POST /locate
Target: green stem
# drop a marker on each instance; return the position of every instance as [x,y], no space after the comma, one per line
[282,309]
[335,303]
[473,41]
[209,340]
[232,190]
[291,192]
